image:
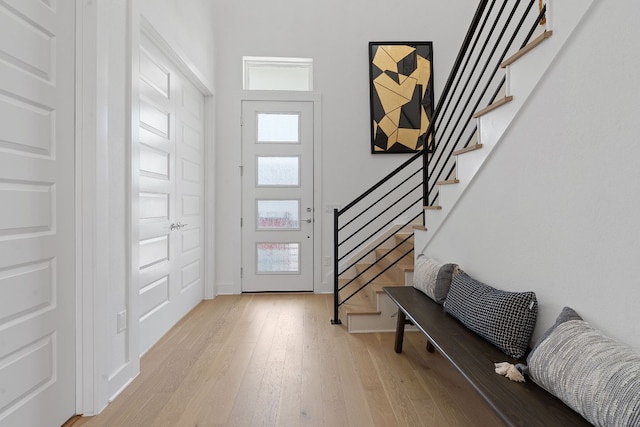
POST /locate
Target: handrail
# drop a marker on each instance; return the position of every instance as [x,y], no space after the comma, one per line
[380,183]
[374,203]
[363,225]
[383,225]
[369,252]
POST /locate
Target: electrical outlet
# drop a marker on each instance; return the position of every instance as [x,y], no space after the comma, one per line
[122,321]
[326,261]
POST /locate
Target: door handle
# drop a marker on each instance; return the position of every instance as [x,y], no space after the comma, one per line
[309,220]
[177,226]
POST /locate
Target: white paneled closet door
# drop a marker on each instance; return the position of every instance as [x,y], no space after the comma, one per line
[37,213]
[171,146]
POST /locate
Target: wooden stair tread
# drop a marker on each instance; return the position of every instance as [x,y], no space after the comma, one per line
[404,266]
[360,299]
[380,289]
[358,306]
[403,234]
[372,272]
[358,312]
[407,237]
[346,287]
[448,182]
[406,260]
[406,244]
[532,44]
[394,255]
[420,227]
[493,106]
[432,208]
[467,149]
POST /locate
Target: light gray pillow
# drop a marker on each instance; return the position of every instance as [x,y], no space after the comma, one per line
[593,374]
[432,277]
[565,315]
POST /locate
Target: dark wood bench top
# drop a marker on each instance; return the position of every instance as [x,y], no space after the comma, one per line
[518,404]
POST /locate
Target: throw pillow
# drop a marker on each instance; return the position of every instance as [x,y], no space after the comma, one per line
[432,277]
[593,374]
[505,319]
[565,315]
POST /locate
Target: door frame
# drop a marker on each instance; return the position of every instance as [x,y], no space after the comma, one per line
[90,337]
[316,99]
[93,320]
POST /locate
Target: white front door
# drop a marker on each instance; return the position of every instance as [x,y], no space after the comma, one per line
[277,196]
[37,213]
[171,146]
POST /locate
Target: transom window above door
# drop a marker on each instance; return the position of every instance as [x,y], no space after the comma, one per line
[273,73]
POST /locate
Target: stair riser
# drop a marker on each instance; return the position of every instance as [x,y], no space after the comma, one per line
[384,322]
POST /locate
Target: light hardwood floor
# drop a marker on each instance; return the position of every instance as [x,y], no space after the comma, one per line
[275,360]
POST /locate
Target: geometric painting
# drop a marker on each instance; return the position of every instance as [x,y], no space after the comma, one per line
[401,90]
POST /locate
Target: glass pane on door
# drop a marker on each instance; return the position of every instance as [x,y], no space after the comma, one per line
[278,215]
[281,128]
[278,258]
[278,171]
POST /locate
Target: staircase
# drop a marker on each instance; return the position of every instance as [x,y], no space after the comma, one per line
[371,310]
[493,76]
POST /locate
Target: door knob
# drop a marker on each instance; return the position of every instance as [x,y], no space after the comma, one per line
[309,220]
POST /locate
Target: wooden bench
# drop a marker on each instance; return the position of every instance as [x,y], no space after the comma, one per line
[518,404]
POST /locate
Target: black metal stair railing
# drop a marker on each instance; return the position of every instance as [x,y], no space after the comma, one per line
[367,225]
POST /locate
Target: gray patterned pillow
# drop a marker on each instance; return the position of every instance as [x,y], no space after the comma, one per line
[505,319]
[432,277]
[596,376]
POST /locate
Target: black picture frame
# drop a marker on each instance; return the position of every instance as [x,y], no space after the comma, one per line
[401,95]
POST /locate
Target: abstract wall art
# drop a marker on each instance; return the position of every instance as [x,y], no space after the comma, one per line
[401,90]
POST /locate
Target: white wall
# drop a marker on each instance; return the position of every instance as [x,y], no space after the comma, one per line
[556,208]
[335,34]
[187,26]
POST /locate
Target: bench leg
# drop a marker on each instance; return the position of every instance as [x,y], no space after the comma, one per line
[430,347]
[400,331]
